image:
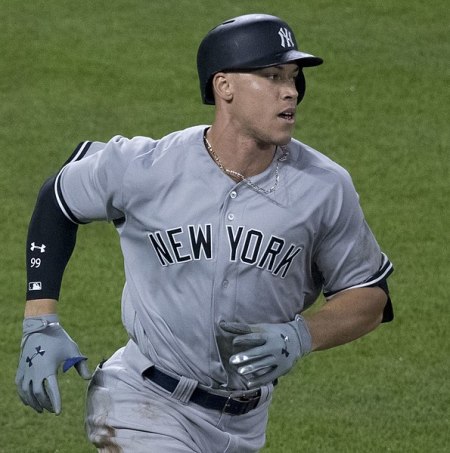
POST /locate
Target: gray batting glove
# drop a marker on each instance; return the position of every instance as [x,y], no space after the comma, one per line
[45,346]
[264,352]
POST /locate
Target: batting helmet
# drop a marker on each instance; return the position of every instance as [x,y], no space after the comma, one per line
[249,42]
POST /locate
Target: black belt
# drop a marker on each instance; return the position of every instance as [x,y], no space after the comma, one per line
[228,405]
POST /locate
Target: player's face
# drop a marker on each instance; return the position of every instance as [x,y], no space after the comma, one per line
[265,102]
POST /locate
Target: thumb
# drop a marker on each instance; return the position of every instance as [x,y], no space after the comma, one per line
[237,328]
[83,369]
[80,365]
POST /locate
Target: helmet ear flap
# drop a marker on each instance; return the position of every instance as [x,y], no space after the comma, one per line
[300,84]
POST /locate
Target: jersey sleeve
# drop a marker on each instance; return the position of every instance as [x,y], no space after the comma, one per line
[89,187]
[348,255]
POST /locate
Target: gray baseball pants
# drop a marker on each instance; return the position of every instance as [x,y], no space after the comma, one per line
[130,414]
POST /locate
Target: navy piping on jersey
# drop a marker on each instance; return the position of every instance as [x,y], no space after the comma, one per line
[79,152]
[377,279]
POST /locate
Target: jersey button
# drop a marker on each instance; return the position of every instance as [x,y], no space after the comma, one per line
[225,283]
[230,216]
[233,194]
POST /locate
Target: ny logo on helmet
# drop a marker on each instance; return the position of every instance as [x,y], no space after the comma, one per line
[286,38]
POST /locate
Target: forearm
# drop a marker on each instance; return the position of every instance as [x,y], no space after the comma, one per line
[50,242]
[40,307]
[348,316]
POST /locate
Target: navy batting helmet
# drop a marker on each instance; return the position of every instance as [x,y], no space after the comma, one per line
[249,42]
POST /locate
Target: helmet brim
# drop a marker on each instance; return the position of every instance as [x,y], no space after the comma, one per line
[304,60]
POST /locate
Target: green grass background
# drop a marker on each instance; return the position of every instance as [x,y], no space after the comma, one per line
[90,69]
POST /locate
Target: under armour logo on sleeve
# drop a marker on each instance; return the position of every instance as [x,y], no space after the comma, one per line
[39,247]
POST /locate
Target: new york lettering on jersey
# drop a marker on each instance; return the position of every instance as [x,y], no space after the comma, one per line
[249,246]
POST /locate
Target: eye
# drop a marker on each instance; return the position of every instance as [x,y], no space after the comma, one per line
[272,76]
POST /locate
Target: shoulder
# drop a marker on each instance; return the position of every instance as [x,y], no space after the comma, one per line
[136,146]
[312,162]
[180,140]
[146,147]
[324,183]
[118,146]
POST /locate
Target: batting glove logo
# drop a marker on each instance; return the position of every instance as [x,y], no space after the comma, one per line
[39,351]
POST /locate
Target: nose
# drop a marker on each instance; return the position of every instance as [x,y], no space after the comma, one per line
[289,90]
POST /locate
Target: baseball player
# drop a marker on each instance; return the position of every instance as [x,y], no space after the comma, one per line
[229,233]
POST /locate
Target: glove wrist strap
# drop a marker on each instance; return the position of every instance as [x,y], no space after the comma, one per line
[303,334]
[39,323]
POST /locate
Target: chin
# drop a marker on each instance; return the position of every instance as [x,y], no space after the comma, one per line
[276,138]
[283,140]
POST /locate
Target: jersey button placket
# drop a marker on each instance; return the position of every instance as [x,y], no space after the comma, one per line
[225,288]
[230,215]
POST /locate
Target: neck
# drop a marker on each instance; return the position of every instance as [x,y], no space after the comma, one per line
[238,153]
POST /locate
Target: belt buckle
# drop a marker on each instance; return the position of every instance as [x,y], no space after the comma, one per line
[241,405]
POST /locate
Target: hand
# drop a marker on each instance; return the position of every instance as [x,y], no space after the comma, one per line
[45,346]
[263,352]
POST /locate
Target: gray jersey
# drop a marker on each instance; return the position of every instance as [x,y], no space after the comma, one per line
[199,248]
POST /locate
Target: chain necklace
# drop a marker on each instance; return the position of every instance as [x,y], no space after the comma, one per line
[241,177]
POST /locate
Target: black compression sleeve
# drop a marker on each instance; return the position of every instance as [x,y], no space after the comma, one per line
[388,313]
[50,243]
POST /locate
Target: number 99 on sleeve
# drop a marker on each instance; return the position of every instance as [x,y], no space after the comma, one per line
[35,262]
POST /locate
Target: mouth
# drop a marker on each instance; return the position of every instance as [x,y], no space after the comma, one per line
[287,115]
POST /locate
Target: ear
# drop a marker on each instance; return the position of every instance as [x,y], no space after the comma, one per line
[222,86]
